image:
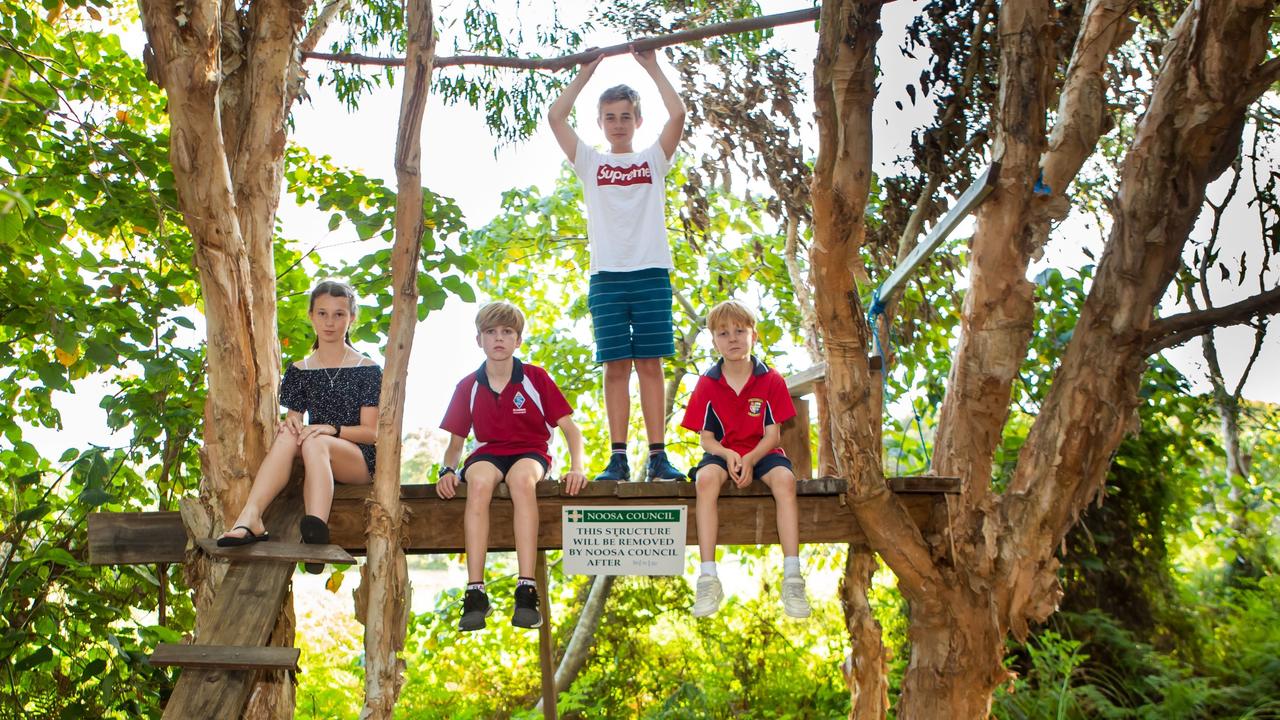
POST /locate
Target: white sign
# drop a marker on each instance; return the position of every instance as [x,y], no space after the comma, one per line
[624,540]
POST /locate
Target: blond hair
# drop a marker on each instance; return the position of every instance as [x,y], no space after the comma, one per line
[500,314]
[731,312]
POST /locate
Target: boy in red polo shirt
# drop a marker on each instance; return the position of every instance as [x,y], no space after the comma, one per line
[738,407]
[512,406]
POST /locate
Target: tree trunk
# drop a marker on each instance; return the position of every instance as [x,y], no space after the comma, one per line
[226,82]
[383,596]
[844,91]
[996,320]
[957,657]
[237,276]
[868,675]
[1209,78]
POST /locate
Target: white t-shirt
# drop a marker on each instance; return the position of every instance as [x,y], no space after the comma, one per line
[626,207]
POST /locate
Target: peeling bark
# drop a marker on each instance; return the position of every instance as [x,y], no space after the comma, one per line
[1213,55]
[998,313]
[868,675]
[227,149]
[384,592]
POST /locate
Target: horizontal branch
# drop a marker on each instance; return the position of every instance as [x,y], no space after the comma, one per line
[1177,329]
[570,61]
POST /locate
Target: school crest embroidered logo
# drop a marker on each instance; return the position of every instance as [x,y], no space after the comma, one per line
[754,406]
[519,403]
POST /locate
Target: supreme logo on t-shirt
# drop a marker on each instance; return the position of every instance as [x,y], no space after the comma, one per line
[629,175]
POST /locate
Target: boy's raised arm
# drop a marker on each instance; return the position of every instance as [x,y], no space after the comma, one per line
[669,139]
[558,113]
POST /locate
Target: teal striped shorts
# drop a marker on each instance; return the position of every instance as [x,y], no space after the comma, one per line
[631,314]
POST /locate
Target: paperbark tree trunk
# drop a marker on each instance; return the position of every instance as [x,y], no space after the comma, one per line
[383,597]
[998,313]
[844,91]
[868,675]
[1209,78]
[227,153]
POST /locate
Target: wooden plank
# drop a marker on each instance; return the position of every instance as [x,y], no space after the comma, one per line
[795,440]
[243,614]
[225,657]
[135,538]
[801,383]
[281,552]
[436,525]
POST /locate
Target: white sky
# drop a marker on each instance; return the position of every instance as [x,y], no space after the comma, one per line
[458,161]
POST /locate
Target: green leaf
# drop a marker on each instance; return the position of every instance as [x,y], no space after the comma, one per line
[41,655]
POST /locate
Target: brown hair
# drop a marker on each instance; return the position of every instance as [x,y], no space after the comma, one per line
[730,312]
[619,92]
[500,314]
[334,288]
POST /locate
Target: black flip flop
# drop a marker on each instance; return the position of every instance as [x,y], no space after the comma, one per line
[248,539]
[314,532]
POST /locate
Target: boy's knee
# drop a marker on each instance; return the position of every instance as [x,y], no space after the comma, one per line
[780,481]
[649,366]
[709,478]
[524,476]
[616,369]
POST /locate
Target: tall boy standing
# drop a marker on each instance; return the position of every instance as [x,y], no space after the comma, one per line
[512,407]
[738,407]
[630,287]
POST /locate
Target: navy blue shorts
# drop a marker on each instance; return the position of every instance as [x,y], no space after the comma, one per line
[631,314]
[762,468]
[504,463]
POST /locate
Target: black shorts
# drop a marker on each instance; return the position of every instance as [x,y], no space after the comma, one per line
[504,463]
[767,463]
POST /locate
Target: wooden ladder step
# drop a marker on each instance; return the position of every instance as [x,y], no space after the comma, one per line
[225,657]
[281,552]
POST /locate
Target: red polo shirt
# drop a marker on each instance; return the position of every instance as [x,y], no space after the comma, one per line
[739,419]
[516,421]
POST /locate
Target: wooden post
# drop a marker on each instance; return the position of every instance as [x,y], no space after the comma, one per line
[795,440]
[544,641]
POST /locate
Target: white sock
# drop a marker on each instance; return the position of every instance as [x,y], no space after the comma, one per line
[791,566]
[709,568]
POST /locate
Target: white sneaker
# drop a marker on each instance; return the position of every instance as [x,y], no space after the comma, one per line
[794,602]
[709,596]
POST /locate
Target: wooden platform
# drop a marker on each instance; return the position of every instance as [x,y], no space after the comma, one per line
[435,525]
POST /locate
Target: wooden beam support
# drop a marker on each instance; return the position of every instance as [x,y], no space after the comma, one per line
[225,657]
[280,552]
[435,525]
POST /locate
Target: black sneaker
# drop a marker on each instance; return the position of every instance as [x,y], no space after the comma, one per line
[618,469]
[660,468]
[526,614]
[475,608]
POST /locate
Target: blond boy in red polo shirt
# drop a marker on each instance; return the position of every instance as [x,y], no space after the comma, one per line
[512,407]
[738,407]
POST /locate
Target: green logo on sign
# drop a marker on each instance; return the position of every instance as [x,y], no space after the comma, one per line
[627,516]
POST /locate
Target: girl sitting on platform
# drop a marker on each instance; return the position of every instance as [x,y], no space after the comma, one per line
[337,388]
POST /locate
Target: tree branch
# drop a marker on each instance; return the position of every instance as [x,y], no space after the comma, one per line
[1266,75]
[571,61]
[327,14]
[1177,329]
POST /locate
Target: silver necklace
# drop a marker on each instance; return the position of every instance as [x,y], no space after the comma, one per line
[333,378]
